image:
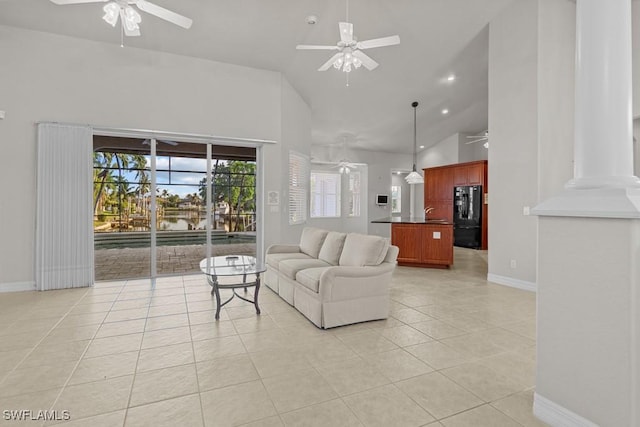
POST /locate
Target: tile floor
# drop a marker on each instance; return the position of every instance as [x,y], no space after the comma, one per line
[456,351]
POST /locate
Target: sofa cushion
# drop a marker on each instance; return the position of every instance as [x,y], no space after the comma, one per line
[360,250]
[310,278]
[311,241]
[274,259]
[332,247]
[290,267]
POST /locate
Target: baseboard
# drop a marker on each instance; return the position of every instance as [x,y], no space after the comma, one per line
[556,415]
[513,283]
[17,287]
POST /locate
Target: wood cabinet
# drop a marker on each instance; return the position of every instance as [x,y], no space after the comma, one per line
[423,245]
[405,237]
[475,174]
[439,183]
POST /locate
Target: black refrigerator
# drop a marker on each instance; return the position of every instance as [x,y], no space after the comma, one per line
[467,219]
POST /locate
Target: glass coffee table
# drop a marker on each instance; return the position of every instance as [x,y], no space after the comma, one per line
[244,272]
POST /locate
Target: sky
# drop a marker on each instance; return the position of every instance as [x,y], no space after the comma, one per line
[182,183]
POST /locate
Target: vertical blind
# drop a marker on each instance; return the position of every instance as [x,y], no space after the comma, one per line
[64,217]
[298,187]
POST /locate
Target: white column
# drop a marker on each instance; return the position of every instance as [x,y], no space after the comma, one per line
[603,119]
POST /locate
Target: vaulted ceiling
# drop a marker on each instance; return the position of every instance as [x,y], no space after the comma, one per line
[438,38]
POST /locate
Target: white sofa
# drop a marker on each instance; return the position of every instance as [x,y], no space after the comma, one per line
[333,278]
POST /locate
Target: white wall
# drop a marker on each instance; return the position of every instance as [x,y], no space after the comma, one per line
[587,321]
[513,118]
[556,105]
[443,153]
[296,135]
[47,77]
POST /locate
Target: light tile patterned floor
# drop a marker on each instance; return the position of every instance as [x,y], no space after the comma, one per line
[456,351]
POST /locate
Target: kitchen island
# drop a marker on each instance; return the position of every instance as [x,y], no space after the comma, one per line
[422,242]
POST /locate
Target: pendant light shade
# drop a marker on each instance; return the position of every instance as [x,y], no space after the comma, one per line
[414,177]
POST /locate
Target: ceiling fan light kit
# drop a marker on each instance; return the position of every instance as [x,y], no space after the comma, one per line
[129,16]
[414,177]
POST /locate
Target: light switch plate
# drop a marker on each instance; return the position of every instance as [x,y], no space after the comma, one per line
[436,235]
[2,113]
[526,210]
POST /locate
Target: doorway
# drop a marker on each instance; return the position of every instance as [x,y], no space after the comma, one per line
[152,216]
[400,193]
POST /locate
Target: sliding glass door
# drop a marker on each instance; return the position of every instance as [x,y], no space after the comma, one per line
[152,215]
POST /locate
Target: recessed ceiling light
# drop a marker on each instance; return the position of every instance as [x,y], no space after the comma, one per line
[451,77]
[445,111]
[422,146]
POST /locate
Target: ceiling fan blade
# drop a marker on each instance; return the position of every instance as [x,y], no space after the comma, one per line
[166,141]
[330,62]
[346,32]
[476,140]
[381,42]
[63,2]
[162,13]
[484,134]
[316,47]
[368,63]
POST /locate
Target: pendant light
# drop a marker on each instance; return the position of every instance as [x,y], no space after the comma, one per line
[414,177]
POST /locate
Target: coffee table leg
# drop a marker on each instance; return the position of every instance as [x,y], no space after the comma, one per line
[255,297]
[217,303]
[216,291]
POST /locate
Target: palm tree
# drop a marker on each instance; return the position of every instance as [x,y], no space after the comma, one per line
[138,164]
[101,160]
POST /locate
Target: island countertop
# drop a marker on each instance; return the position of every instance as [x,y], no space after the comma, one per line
[410,220]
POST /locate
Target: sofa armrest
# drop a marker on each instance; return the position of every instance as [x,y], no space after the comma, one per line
[283,249]
[342,283]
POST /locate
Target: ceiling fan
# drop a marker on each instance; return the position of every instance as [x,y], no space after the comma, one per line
[164,141]
[129,16]
[483,137]
[344,165]
[349,49]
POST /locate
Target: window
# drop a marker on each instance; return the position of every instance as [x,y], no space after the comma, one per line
[396,199]
[354,194]
[325,194]
[298,187]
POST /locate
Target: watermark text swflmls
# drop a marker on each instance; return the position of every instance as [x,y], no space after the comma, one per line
[29,415]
